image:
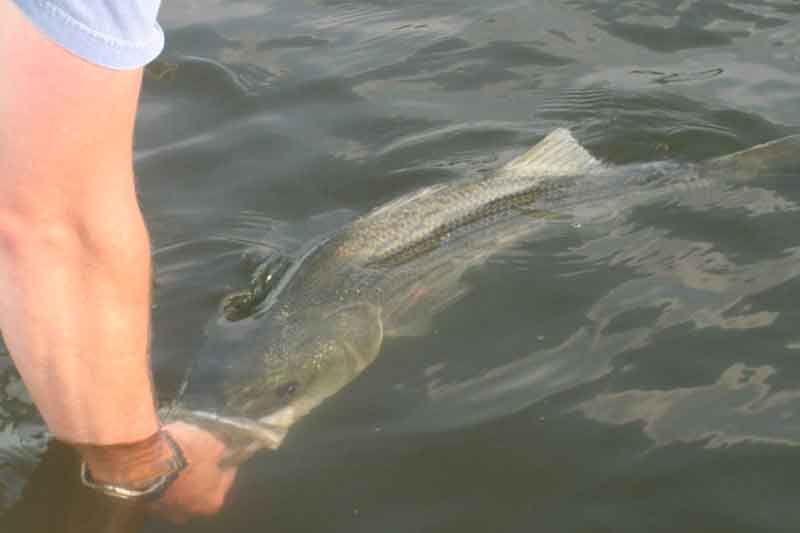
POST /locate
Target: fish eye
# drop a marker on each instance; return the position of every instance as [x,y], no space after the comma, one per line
[286,390]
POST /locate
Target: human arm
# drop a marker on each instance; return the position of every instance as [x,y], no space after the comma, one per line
[75,261]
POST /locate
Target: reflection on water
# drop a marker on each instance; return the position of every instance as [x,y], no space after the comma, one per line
[677,287]
[637,373]
[22,434]
[739,407]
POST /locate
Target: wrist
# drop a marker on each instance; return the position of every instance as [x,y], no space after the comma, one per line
[132,465]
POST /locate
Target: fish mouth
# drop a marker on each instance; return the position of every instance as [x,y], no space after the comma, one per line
[241,436]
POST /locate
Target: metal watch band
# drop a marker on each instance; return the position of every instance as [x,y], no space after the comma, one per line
[147,494]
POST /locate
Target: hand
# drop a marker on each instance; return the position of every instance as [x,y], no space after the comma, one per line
[201,487]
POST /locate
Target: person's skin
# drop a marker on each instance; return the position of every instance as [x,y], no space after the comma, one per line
[75,261]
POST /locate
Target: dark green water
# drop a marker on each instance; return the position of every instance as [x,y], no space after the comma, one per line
[639,375]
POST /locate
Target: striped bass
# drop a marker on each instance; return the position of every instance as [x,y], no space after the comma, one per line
[297,338]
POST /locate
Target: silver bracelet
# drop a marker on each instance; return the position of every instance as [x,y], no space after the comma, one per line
[147,494]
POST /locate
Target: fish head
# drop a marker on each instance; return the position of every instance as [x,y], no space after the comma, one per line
[314,354]
[311,355]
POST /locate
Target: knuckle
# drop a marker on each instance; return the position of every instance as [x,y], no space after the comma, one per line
[217,503]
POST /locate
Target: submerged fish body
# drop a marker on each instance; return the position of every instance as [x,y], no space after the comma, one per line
[389,271]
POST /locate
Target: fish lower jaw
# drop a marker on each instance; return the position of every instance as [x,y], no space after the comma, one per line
[281,419]
[242,436]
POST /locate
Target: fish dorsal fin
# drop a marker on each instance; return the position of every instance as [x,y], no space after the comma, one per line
[558,154]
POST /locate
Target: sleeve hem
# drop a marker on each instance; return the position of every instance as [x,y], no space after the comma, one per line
[102,50]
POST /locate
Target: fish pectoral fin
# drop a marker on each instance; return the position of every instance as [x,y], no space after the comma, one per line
[359,328]
[558,154]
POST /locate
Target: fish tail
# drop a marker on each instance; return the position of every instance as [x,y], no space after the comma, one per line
[780,155]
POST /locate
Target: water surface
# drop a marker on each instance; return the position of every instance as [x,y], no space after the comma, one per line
[637,374]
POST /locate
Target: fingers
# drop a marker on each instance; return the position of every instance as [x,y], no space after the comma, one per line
[201,488]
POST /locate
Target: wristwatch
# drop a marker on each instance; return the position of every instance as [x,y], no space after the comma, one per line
[147,494]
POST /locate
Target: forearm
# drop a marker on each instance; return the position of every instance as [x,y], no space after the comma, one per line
[74,314]
[75,269]
[74,255]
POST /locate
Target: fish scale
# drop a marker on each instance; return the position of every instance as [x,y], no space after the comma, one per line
[427,215]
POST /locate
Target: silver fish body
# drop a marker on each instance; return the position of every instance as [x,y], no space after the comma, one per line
[390,271]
